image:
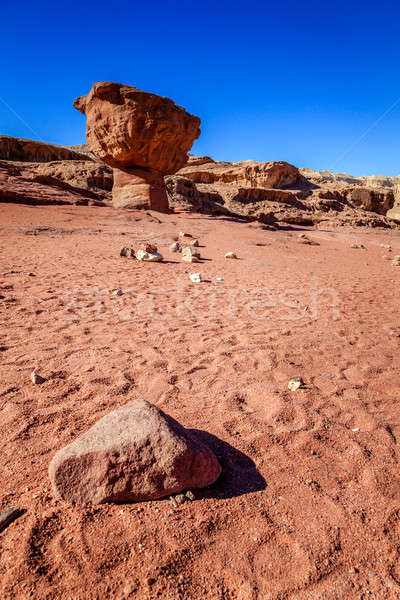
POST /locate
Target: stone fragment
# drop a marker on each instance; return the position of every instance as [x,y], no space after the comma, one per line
[117,293]
[134,453]
[195,277]
[182,234]
[190,251]
[358,246]
[8,516]
[128,252]
[36,378]
[193,242]
[295,383]
[230,255]
[149,257]
[396,261]
[190,496]
[148,247]
[189,258]
[175,247]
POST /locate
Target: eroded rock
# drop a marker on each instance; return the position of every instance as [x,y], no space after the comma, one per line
[134,453]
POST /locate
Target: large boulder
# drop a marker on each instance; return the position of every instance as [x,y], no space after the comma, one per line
[134,453]
[144,135]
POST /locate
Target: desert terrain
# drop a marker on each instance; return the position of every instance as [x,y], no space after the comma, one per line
[307,505]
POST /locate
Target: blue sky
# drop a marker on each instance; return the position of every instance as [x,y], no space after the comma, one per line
[294,81]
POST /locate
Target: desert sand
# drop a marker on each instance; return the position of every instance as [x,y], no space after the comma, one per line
[308,504]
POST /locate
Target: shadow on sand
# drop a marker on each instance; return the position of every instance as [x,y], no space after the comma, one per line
[239,474]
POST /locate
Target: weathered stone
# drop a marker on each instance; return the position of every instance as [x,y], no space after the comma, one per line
[36,378]
[148,247]
[149,256]
[230,255]
[175,247]
[128,252]
[142,136]
[295,383]
[134,453]
[190,251]
[195,277]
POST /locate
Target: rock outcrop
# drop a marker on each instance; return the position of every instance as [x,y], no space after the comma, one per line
[134,453]
[19,149]
[277,192]
[142,136]
[23,183]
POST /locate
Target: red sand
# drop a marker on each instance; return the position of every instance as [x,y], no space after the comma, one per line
[309,503]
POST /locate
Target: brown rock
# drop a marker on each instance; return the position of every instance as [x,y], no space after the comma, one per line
[148,247]
[145,135]
[134,453]
[20,149]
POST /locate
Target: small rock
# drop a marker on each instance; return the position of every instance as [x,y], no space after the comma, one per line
[387,247]
[180,499]
[302,235]
[358,246]
[190,496]
[31,274]
[396,261]
[395,333]
[8,516]
[219,279]
[193,242]
[190,251]
[173,502]
[117,293]
[195,277]
[190,259]
[176,247]
[36,378]
[230,255]
[148,247]
[295,383]
[149,257]
[183,234]
[128,252]
[355,429]
[386,257]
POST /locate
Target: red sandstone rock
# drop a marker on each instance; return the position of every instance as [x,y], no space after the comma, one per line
[145,135]
[134,453]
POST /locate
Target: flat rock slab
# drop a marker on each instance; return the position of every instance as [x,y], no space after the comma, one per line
[134,453]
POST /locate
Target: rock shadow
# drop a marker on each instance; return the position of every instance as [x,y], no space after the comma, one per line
[239,473]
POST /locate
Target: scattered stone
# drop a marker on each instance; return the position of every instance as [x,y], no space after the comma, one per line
[306,240]
[190,251]
[230,255]
[358,246]
[295,383]
[395,333]
[128,252]
[396,261]
[176,247]
[355,429]
[117,293]
[183,234]
[195,277]
[386,257]
[193,242]
[180,499]
[31,274]
[149,257]
[134,453]
[219,279]
[8,516]
[190,496]
[173,502]
[302,235]
[387,247]
[190,258]
[36,378]
[148,247]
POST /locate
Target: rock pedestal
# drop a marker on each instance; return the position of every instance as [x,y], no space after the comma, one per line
[139,188]
[142,136]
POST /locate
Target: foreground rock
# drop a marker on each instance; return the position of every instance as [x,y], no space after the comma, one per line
[142,136]
[135,453]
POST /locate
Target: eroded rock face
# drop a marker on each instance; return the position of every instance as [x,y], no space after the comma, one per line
[144,135]
[20,149]
[134,453]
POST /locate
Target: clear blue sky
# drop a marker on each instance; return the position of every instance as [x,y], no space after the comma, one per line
[295,81]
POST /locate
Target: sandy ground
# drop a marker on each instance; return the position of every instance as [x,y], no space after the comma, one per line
[308,505]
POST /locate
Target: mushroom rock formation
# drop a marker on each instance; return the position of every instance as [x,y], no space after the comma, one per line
[142,136]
